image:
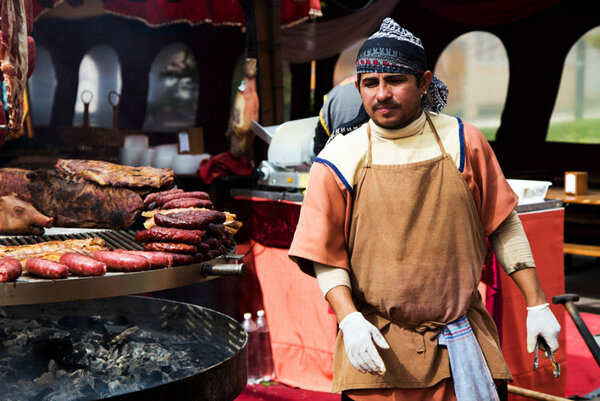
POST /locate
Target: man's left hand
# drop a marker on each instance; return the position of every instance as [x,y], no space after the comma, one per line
[542,322]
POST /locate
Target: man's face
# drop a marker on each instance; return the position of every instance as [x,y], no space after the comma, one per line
[392,100]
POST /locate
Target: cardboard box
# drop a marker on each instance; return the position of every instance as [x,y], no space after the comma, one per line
[576,182]
[191,141]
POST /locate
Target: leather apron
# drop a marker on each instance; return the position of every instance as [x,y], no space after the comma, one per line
[417,247]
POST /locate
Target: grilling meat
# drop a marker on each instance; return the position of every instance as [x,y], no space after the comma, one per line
[46,268]
[10,269]
[82,265]
[52,249]
[20,217]
[74,202]
[14,180]
[14,58]
[105,173]
[122,261]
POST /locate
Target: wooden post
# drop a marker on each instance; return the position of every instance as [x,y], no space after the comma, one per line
[268,35]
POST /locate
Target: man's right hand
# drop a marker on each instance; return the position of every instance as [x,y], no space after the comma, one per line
[360,338]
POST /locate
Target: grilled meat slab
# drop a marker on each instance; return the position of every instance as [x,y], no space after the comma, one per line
[75,202]
[105,173]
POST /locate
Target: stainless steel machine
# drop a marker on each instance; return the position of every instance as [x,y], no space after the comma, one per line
[289,155]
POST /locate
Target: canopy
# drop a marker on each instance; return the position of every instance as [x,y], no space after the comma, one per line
[157,13]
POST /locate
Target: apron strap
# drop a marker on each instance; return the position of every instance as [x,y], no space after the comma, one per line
[370,147]
[437,137]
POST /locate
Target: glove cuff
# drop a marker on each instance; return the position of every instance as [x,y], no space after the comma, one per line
[349,317]
[538,307]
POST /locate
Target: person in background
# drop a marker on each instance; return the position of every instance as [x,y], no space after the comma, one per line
[341,113]
[393,225]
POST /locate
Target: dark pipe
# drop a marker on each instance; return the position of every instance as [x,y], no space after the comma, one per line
[223,269]
[568,301]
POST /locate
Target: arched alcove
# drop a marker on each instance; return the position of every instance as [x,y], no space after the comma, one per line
[173,90]
[99,73]
[42,85]
[474,66]
[576,114]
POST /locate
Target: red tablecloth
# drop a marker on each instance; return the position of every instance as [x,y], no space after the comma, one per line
[545,233]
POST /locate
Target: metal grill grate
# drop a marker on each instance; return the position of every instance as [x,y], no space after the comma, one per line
[115,239]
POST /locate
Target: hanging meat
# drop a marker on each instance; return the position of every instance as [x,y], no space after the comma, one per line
[245,109]
[16,24]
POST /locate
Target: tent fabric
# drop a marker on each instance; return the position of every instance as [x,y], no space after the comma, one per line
[156,13]
[305,42]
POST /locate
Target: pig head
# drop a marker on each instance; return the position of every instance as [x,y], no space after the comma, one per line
[20,217]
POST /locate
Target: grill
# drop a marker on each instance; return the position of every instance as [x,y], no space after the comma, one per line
[67,313]
[159,350]
[31,290]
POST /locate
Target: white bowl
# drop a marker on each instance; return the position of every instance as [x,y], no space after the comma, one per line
[135,141]
[187,163]
[147,157]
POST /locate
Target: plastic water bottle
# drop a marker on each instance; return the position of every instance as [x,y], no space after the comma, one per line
[253,349]
[266,354]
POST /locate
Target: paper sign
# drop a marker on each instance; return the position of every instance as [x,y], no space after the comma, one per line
[184,142]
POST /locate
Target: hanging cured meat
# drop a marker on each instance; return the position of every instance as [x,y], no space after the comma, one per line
[16,24]
[245,109]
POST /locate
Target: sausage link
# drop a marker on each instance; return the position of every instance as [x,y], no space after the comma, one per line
[122,262]
[203,248]
[82,265]
[180,259]
[170,247]
[46,268]
[212,242]
[169,234]
[10,269]
[162,199]
[180,203]
[151,198]
[156,259]
[195,223]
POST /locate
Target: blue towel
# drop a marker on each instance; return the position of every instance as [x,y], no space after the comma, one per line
[472,378]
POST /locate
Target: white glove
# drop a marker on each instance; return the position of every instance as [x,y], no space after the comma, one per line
[359,336]
[541,322]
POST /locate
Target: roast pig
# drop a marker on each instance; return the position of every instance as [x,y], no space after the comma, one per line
[20,217]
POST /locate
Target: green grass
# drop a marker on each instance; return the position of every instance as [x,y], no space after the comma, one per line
[578,131]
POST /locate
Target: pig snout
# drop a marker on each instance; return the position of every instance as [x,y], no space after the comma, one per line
[20,217]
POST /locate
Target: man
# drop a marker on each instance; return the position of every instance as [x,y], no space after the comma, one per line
[342,112]
[393,225]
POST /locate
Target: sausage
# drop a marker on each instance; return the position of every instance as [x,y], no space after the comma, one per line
[46,268]
[82,265]
[162,199]
[180,259]
[170,247]
[156,259]
[180,203]
[203,248]
[10,269]
[122,262]
[191,220]
[168,234]
[151,198]
[212,242]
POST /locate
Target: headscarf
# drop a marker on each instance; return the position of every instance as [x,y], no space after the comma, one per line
[393,49]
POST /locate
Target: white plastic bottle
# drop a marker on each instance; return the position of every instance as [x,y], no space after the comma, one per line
[266,354]
[253,349]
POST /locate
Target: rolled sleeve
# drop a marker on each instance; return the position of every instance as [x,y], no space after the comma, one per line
[321,233]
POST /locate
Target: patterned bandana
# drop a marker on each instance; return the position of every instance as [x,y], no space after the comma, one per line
[393,49]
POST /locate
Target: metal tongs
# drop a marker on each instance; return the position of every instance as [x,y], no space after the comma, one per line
[545,349]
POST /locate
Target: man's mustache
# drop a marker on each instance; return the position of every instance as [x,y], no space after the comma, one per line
[385,105]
